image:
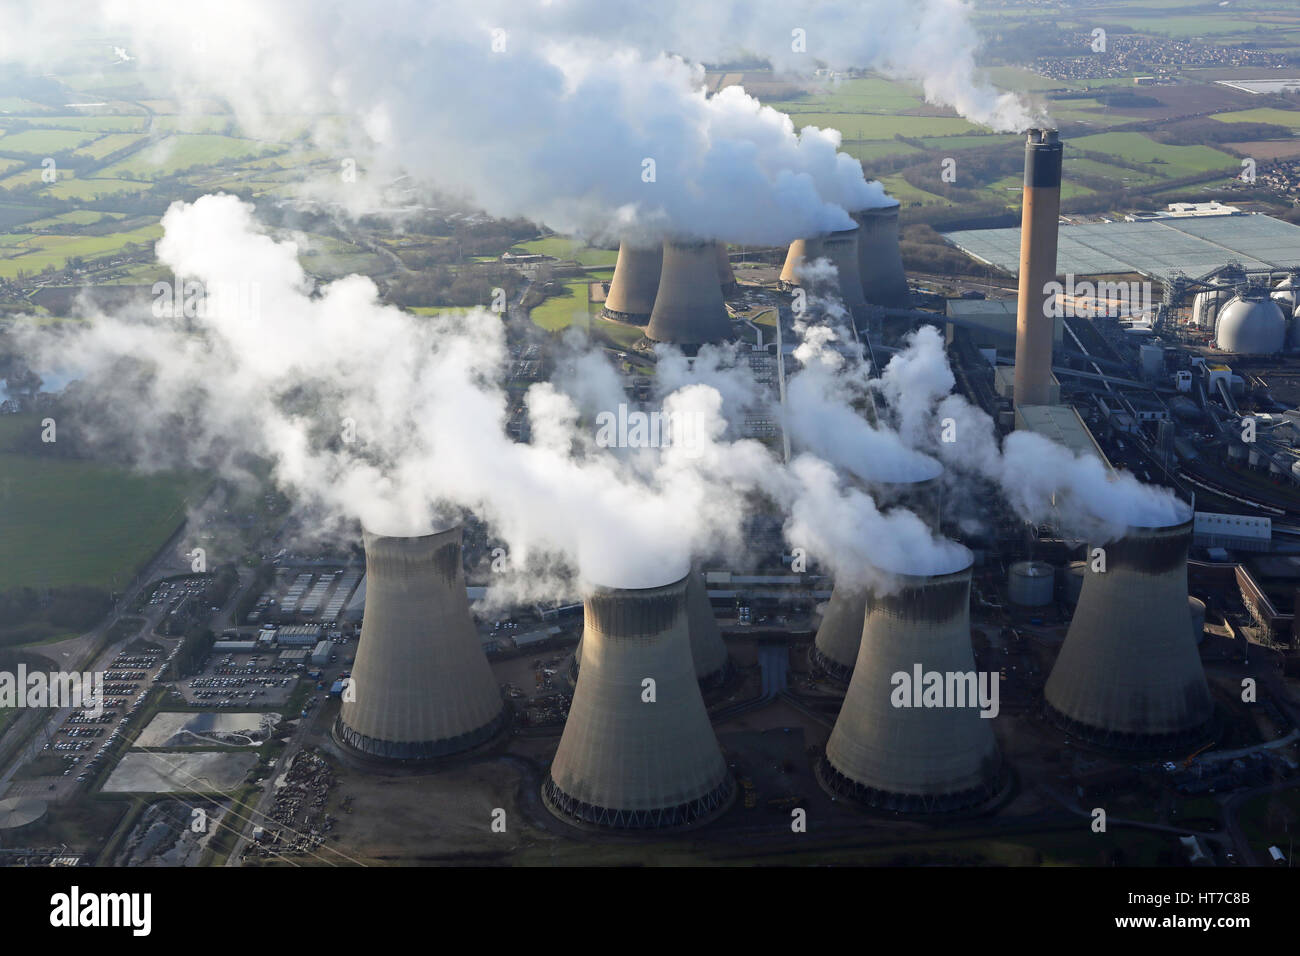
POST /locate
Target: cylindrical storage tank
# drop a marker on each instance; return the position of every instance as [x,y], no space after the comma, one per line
[623,762]
[632,291]
[689,310]
[835,650]
[1128,676]
[1196,607]
[880,261]
[421,686]
[1206,306]
[1074,575]
[1031,583]
[894,747]
[726,275]
[1251,325]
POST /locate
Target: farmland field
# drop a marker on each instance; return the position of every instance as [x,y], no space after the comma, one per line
[67,521]
[562,248]
[44,142]
[1169,161]
[559,312]
[182,151]
[1290,118]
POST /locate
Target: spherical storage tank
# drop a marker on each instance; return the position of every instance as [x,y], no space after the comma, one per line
[1031,583]
[1251,325]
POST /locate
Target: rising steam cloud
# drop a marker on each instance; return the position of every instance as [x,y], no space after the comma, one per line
[552,110]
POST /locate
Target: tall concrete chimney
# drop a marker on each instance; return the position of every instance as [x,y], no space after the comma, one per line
[918,758]
[880,261]
[1039,225]
[1129,676]
[422,686]
[627,760]
[689,310]
[636,280]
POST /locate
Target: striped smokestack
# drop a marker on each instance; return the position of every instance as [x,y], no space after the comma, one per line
[1038,233]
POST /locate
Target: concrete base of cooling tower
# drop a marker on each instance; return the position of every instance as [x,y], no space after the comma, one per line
[385,755]
[976,802]
[1182,742]
[685,816]
[638,319]
[824,666]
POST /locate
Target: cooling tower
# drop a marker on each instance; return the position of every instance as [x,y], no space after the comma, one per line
[915,758]
[726,275]
[422,687]
[835,650]
[688,309]
[625,762]
[1039,225]
[841,249]
[708,652]
[1128,676]
[880,262]
[636,279]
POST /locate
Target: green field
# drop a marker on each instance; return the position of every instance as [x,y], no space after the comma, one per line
[1169,162]
[109,144]
[66,521]
[1289,118]
[871,126]
[98,123]
[559,312]
[29,253]
[906,193]
[563,248]
[870,152]
[183,151]
[858,95]
[79,217]
[44,142]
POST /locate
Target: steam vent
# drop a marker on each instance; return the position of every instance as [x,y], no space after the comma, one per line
[624,762]
[1129,676]
[423,688]
[689,309]
[919,759]
[636,279]
[880,261]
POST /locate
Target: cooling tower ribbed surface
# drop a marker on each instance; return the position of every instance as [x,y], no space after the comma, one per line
[624,762]
[1128,676]
[835,650]
[880,261]
[726,275]
[423,688]
[841,249]
[708,652]
[913,759]
[688,308]
[636,280]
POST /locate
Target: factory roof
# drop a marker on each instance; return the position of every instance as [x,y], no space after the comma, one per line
[1155,247]
[1062,424]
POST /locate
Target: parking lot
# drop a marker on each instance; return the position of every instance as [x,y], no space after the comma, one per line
[241,680]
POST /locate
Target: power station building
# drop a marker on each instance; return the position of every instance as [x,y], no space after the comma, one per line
[891,751]
[1129,676]
[638,751]
[421,685]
